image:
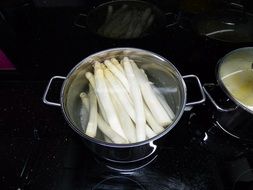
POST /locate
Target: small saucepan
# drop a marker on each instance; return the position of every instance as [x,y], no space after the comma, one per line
[234,74]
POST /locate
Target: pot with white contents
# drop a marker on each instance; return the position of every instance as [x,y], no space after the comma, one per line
[121,100]
[234,74]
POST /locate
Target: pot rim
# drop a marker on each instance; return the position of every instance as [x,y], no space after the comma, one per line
[129,145]
[221,84]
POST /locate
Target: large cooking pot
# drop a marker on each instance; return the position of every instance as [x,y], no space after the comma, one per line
[126,19]
[164,75]
[234,74]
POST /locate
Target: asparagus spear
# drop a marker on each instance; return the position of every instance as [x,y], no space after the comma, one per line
[150,97]
[126,122]
[137,99]
[91,79]
[149,132]
[102,125]
[91,129]
[105,100]
[117,73]
[160,97]
[127,103]
[117,64]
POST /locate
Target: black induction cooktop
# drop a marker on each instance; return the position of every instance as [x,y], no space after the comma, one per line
[38,150]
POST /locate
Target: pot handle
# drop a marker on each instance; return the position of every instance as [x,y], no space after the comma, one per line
[47,89]
[203,97]
[171,16]
[212,99]
[81,21]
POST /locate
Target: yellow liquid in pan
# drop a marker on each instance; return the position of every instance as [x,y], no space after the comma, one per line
[240,85]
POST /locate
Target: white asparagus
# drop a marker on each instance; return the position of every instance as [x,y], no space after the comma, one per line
[137,99]
[91,129]
[122,78]
[117,64]
[149,132]
[160,97]
[152,121]
[105,100]
[84,110]
[150,97]
[102,125]
[109,132]
[103,66]
[126,122]
[107,139]
[121,94]
[127,103]
[163,101]
[91,79]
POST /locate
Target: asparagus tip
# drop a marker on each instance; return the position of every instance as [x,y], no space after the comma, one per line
[97,65]
[125,59]
[83,94]
[88,75]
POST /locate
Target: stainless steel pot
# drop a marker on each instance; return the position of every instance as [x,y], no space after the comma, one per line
[162,72]
[234,74]
[126,19]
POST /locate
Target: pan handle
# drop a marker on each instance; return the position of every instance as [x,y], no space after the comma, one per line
[203,97]
[47,89]
[81,21]
[219,108]
[169,17]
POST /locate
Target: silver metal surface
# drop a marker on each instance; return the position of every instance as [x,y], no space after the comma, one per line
[47,89]
[226,131]
[236,60]
[203,99]
[218,107]
[159,70]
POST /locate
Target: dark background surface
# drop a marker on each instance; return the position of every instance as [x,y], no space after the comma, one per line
[41,39]
[37,148]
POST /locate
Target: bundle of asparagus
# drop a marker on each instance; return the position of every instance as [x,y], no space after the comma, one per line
[126,22]
[123,104]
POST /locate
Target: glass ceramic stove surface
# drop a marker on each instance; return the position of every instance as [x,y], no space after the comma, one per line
[39,151]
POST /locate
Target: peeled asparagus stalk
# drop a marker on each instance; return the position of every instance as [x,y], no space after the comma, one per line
[102,125]
[160,97]
[127,103]
[137,100]
[107,139]
[121,94]
[122,78]
[149,132]
[91,79]
[163,101]
[91,129]
[152,121]
[150,98]
[109,132]
[105,100]
[126,122]
[84,110]
[117,64]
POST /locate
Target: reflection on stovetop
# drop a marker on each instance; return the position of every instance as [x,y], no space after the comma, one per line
[72,166]
[234,156]
[39,151]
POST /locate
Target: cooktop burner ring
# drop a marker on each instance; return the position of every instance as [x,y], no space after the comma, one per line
[126,167]
[135,184]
